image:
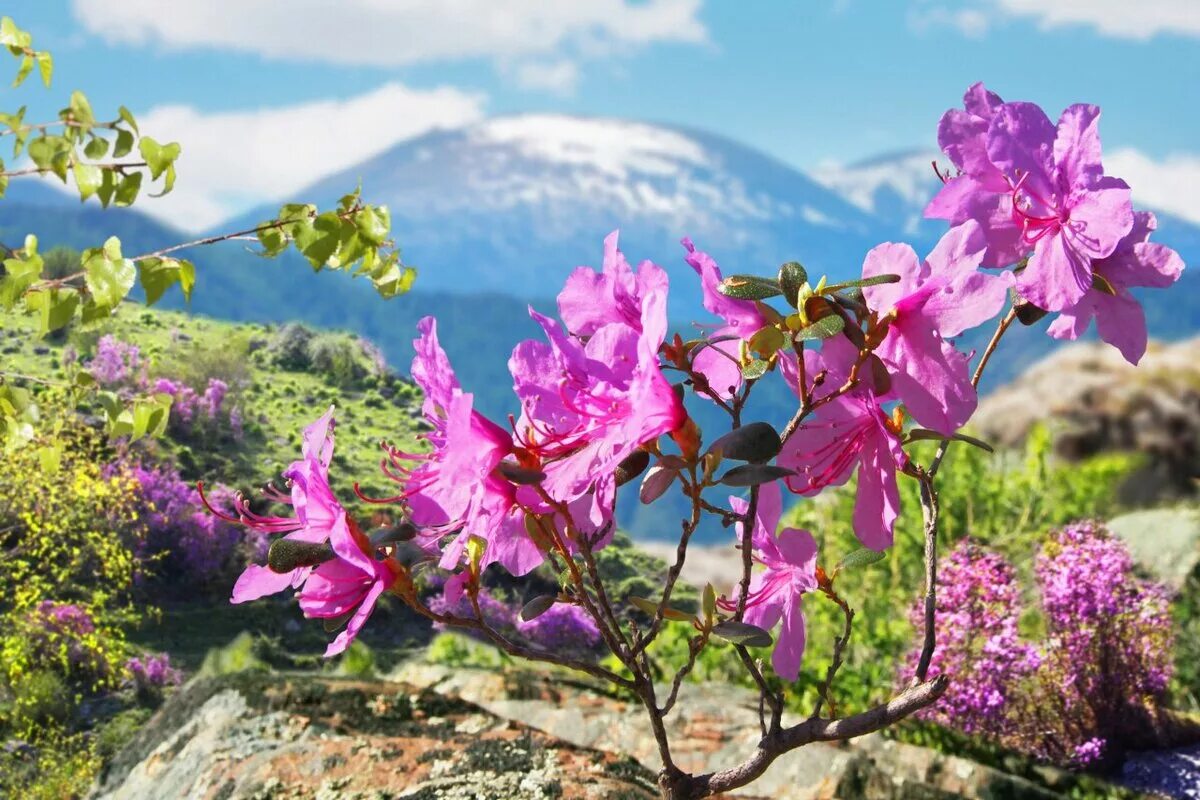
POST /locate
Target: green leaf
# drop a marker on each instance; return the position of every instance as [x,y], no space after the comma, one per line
[110,403]
[754,475]
[395,281]
[821,329]
[109,276]
[273,240]
[19,275]
[792,276]
[81,109]
[127,189]
[742,633]
[861,557]
[50,153]
[97,147]
[23,71]
[87,178]
[108,187]
[159,157]
[159,274]
[127,117]
[858,283]
[45,65]
[755,370]
[373,224]
[124,144]
[651,608]
[54,307]
[319,240]
[709,601]
[749,287]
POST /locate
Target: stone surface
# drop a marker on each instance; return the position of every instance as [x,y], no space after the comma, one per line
[1166,541]
[273,737]
[1095,401]
[717,726]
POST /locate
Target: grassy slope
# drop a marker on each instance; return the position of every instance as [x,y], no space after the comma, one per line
[277,402]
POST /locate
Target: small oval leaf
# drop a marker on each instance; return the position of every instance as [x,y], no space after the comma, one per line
[633,465]
[537,606]
[861,557]
[754,370]
[1029,314]
[754,475]
[756,442]
[286,555]
[749,287]
[650,608]
[742,633]
[821,329]
[515,473]
[792,276]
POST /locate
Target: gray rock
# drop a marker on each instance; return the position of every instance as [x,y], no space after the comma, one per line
[1093,401]
[1166,541]
[276,737]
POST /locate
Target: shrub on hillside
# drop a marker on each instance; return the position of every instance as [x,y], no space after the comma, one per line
[1090,686]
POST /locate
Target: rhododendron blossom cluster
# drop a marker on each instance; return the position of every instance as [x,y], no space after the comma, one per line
[873,364]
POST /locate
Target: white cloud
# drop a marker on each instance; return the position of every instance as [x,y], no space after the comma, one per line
[234,160]
[1168,185]
[1124,19]
[1121,19]
[394,32]
[556,77]
[972,23]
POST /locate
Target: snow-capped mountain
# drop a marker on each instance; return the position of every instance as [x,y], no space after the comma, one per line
[512,203]
[895,188]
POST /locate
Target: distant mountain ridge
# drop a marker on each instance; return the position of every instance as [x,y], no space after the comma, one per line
[495,216]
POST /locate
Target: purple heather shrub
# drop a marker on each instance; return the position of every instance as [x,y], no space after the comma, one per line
[214,396]
[115,362]
[563,628]
[978,607]
[1085,692]
[182,541]
[153,672]
[63,634]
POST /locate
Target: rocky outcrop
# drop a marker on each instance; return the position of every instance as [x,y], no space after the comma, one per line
[1094,401]
[274,737]
[716,725]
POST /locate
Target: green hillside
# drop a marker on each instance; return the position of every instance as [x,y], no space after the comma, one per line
[272,378]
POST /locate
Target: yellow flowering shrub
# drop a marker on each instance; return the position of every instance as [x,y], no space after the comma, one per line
[67,533]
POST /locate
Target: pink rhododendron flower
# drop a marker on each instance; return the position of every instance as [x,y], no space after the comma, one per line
[1054,197]
[590,300]
[350,584]
[980,192]
[850,432]
[587,405]
[455,488]
[934,300]
[776,593]
[720,363]
[317,511]
[1120,320]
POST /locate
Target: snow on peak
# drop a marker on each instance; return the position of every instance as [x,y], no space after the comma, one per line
[910,176]
[616,148]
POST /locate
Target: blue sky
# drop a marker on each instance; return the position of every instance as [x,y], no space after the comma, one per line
[328,83]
